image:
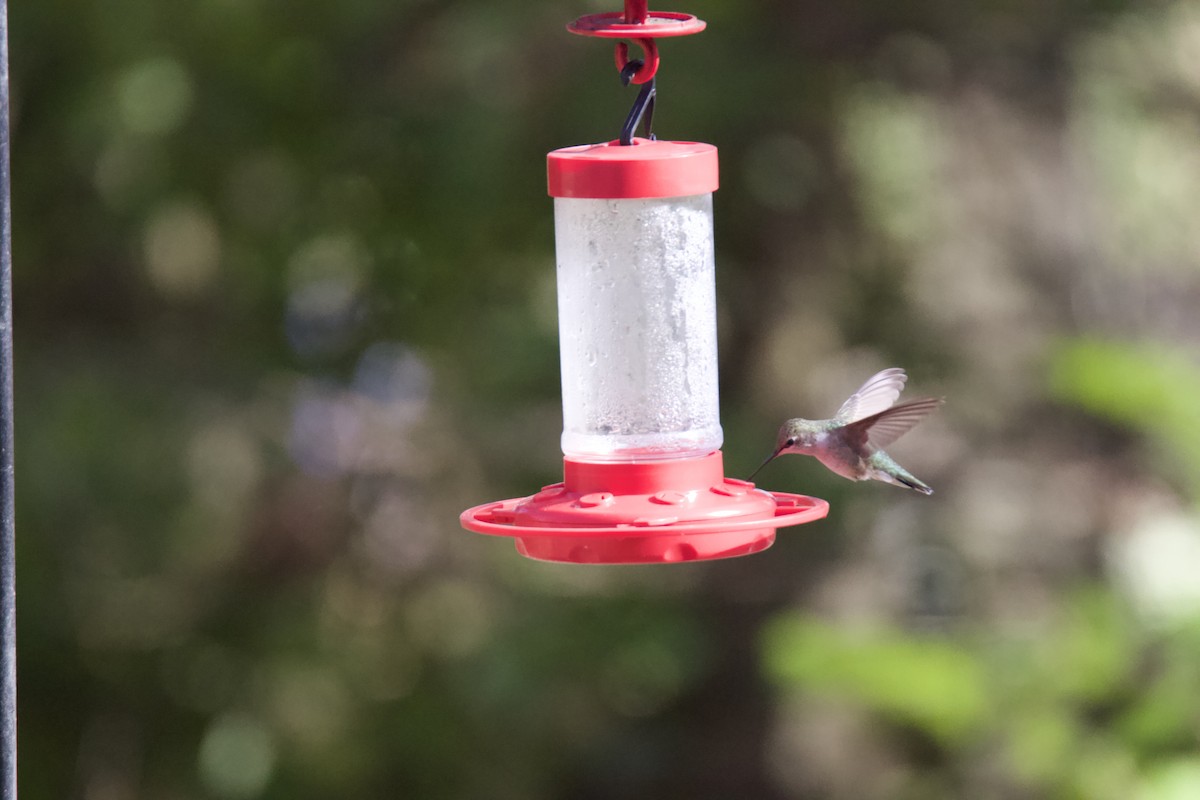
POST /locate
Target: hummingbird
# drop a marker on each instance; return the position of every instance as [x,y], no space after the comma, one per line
[851,443]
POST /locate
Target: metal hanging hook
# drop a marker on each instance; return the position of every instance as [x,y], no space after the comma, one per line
[643,106]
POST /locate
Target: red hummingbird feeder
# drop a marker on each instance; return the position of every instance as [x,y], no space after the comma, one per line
[643,477]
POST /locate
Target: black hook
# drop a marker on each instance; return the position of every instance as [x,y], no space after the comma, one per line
[643,106]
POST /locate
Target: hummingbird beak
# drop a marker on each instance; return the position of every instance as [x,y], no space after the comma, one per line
[770,458]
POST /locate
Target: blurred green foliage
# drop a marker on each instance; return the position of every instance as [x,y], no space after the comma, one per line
[1064,708]
[1147,388]
[285,306]
[929,683]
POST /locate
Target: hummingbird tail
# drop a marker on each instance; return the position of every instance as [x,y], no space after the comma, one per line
[883,468]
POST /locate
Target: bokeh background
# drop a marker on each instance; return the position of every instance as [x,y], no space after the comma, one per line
[285,305]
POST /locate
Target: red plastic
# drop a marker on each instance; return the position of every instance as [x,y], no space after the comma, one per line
[644,513]
[640,25]
[657,25]
[641,170]
[649,59]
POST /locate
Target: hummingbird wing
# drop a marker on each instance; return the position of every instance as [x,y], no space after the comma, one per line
[878,394]
[888,425]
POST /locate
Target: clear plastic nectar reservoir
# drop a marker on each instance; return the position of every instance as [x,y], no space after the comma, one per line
[637,326]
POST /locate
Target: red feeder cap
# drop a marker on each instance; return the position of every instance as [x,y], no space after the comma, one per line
[647,168]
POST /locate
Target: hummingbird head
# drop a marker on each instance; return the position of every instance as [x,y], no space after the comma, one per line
[795,436]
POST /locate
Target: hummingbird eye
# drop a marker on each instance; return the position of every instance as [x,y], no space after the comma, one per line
[790,442]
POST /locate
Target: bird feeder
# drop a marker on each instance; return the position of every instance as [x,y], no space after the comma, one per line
[643,476]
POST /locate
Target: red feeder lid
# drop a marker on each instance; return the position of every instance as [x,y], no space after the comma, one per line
[647,168]
[644,513]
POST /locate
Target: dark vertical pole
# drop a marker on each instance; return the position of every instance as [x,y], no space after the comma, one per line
[8,573]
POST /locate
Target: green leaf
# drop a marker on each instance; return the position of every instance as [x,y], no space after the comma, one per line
[1149,387]
[933,684]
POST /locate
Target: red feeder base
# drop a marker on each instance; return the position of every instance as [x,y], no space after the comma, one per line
[646,512]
